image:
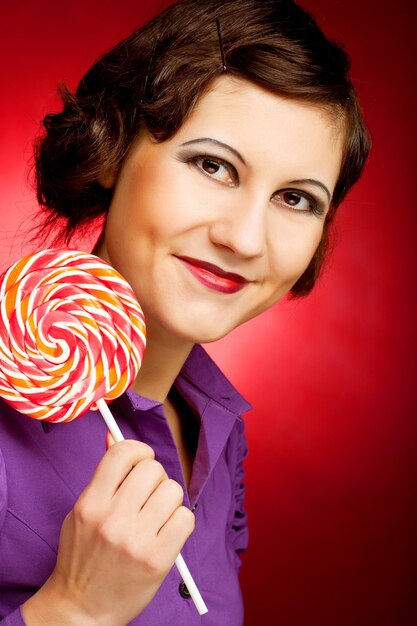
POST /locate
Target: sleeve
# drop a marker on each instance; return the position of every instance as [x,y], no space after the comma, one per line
[239,522]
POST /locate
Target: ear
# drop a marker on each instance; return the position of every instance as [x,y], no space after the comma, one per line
[107,179]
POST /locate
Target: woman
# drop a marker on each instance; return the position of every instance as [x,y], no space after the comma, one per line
[218,142]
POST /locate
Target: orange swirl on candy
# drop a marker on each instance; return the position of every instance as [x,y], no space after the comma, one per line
[71,332]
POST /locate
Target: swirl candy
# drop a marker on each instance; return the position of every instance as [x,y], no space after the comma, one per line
[71,333]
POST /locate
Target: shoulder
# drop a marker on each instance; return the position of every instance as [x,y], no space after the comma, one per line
[42,472]
[15,437]
[47,466]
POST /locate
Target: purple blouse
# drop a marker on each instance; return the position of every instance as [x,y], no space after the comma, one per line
[44,467]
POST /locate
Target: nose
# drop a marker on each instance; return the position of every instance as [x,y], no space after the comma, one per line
[240,226]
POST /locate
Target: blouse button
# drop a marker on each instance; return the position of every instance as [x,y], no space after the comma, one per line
[184,593]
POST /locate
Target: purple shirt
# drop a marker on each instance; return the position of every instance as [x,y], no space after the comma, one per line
[44,467]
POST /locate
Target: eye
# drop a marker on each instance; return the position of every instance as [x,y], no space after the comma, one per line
[217,169]
[298,201]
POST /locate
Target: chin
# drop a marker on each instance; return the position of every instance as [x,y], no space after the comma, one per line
[208,336]
[198,333]
[211,337]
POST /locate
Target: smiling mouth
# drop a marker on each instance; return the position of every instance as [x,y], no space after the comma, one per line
[213,276]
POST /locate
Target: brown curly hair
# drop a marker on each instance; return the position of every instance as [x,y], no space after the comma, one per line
[153,79]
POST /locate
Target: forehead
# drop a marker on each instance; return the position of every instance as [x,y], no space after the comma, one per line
[302,137]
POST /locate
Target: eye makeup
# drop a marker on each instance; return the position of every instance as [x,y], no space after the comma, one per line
[206,162]
[289,198]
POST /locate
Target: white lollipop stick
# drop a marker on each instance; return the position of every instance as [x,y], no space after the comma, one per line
[179,561]
[107,415]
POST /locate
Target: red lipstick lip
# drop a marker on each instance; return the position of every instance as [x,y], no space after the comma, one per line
[214,269]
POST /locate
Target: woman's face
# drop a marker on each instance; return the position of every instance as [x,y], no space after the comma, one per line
[215,225]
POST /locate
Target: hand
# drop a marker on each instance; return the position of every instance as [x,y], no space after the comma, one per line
[116,545]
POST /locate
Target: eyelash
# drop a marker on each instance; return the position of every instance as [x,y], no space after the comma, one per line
[316,206]
[193,160]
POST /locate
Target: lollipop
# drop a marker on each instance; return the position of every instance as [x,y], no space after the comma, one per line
[72,336]
[71,333]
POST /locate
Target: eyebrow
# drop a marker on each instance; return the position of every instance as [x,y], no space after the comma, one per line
[215,142]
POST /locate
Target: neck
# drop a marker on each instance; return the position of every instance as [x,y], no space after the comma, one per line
[164,357]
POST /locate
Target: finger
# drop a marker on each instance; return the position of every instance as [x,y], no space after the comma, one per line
[115,465]
[160,506]
[110,441]
[138,486]
[175,532]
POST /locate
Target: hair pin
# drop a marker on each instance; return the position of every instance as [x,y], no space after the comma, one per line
[219,34]
[145,86]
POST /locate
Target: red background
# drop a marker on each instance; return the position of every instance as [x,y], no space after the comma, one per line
[331,471]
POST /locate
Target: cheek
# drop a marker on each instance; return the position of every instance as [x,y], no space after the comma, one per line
[292,251]
[159,202]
